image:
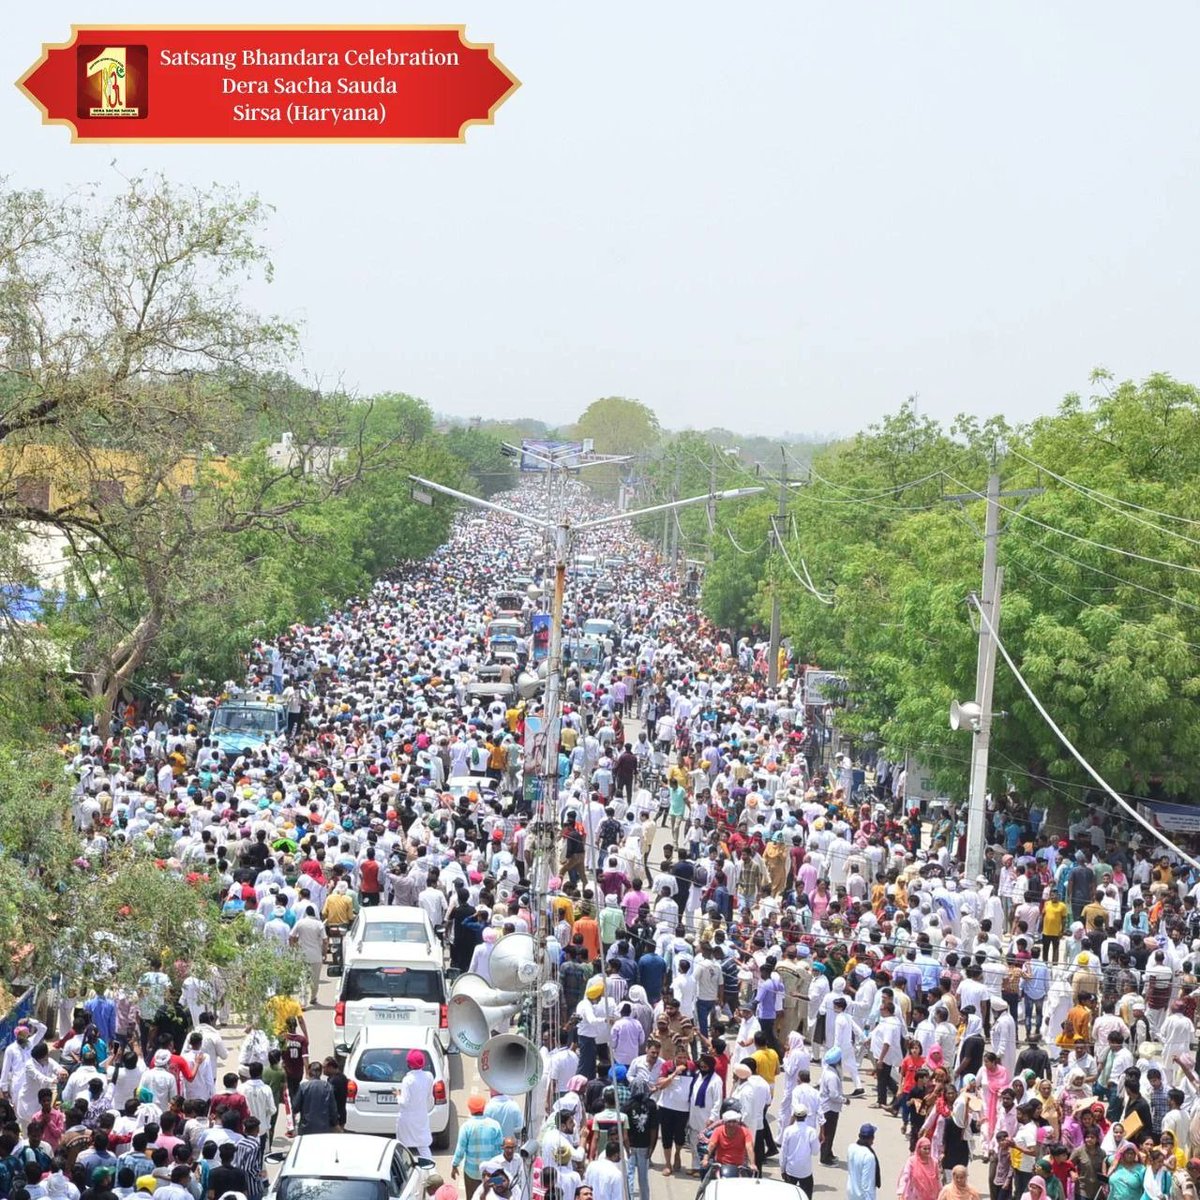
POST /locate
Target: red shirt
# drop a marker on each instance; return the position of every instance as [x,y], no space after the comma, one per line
[226,1101]
[908,1068]
[722,1065]
[730,1149]
[368,874]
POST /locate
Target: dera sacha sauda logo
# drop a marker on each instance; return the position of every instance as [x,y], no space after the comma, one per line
[112,81]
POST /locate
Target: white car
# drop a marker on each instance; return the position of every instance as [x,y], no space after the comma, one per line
[377,1063]
[388,923]
[349,1166]
[744,1188]
[396,984]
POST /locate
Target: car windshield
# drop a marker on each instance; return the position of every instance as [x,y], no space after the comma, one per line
[246,720]
[301,1187]
[385,1066]
[392,983]
[395,931]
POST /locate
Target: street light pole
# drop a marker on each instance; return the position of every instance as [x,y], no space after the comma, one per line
[552,703]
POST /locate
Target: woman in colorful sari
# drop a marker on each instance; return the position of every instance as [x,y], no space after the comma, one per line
[920,1179]
[995,1080]
[776,860]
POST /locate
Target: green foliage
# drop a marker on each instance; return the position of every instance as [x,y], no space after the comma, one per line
[136,899]
[255,969]
[1108,641]
[482,453]
[36,843]
[616,425]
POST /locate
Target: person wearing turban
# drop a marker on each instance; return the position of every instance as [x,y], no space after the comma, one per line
[414,1104]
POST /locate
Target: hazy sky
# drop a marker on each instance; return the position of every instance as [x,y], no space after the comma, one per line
[769,216]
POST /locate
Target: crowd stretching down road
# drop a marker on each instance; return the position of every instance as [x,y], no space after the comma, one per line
[762,962]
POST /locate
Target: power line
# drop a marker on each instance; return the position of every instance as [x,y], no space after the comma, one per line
[1076,537]
[1107,574]
[741,549]
[1101,497]
[808,585]
[1142,625]
[856,497]
[1066,741]
[1104,501]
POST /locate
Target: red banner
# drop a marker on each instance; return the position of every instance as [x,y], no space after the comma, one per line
[270,83]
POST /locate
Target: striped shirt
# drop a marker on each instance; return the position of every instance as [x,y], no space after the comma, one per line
[479,1138]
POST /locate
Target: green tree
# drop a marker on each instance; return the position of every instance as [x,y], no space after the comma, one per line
[491,469]
[1106,639]
[618,425]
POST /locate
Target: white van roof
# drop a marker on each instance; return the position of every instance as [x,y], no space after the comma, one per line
[395,954]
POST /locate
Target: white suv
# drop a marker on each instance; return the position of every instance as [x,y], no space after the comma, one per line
[349,1166]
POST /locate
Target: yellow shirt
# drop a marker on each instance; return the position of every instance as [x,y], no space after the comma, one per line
[1054,917]
[766,1063]
[338,910]
[279,1008]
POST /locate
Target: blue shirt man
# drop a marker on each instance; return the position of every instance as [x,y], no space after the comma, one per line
[652,970]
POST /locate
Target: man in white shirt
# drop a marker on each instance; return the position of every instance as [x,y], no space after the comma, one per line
[27,1035]
[308,936]
[604,1176]
[887,1049]
[798,1149]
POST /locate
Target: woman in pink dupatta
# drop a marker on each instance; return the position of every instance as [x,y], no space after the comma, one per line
[995,1080]
[920,1179]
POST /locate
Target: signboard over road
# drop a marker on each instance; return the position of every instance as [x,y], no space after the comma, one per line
[824,687]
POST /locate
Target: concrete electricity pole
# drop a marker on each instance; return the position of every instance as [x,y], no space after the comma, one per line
[776,537]
[985,674]
[985,667]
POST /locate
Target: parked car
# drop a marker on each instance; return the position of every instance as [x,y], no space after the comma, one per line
[349,1166]
[377,1064]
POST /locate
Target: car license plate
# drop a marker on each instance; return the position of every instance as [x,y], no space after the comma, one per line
[386,1097]
[392,1014]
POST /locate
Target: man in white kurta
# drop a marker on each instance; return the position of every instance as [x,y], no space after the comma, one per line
[1004,1035]
[845,1032]
[1176,1035]
[862,1167]
[414,1103]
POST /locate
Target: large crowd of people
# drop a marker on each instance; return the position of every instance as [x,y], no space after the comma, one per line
[746,935]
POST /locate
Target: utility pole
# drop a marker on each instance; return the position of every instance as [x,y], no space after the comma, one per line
[777,537]
[674,527]
[710,509]
[985,674]
[985,666]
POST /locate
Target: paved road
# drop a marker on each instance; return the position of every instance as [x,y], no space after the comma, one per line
[891,1147]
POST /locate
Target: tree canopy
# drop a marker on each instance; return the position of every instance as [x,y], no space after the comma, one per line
[1100,598]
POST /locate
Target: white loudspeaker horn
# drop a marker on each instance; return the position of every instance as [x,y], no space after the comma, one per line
[513,962]
[965,715]
[478,988]
[510,1064]
[473,1020]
